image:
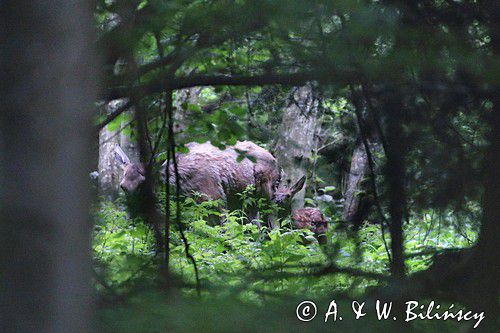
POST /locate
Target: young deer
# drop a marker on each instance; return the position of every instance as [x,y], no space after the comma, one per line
[312,219]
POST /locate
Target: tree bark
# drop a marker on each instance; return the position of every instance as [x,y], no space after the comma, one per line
[357,172]
[110,172]
[189,96]
[395,176]
[297,137]
[486,282]
[128,143]
[484,294]
[47,94]
[473,275]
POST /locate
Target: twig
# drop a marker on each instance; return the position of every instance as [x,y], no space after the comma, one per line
[372,172]
[167,114]
[171,137]
[112,116]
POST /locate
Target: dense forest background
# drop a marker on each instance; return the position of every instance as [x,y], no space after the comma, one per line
[389,108]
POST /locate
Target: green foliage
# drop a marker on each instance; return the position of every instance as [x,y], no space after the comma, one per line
[241,265]
[123,249]
[237,257]
[428,67]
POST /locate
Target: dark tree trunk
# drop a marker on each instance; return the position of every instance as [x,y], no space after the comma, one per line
[472,276]
[395,176]
[485,262]
[144,201]
[47,94]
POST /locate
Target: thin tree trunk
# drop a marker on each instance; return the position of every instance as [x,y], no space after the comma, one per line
[129,143]
[109,171]
[184,98]
[297,137]
[357,172]
[47,94]
[395,175]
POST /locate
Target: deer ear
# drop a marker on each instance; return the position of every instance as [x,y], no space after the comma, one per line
[120,156]
[298,185]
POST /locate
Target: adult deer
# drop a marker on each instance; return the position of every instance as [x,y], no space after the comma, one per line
[219,174]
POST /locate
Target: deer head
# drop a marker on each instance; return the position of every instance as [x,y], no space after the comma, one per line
[284,193]
[133,173]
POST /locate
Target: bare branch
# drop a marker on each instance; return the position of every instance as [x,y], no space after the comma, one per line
[112,116]
[290,79]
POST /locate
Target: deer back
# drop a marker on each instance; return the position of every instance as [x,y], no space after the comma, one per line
[220,173]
